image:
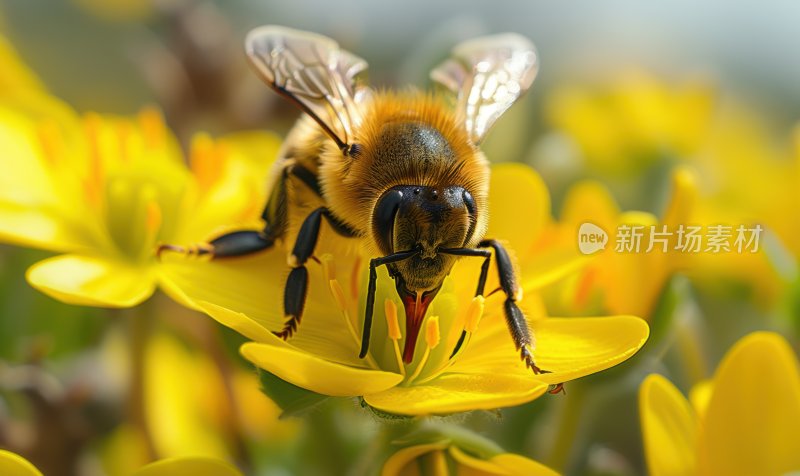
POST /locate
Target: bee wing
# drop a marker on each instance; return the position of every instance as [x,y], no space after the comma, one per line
[314,73]
[488,74]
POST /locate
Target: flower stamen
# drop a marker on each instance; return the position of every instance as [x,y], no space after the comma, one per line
[393,326]
[432,339]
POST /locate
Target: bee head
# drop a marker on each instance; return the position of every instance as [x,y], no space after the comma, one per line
[424,219]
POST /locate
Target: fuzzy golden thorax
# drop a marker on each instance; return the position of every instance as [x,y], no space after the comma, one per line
[410,139]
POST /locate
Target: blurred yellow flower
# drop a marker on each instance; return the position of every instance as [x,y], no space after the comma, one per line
[245,293]
[14,465]
[190,409]
[619,281]
[447,458]
[105,190]
[633,120]
[745,421]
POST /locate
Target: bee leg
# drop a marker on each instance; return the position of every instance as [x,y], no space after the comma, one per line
[245,242]
[294,297]
[487,256]
[373,280]
[515,319]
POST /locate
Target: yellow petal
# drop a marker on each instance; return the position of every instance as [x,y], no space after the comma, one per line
[403,462]
[15,465]
[26,226]
[14,74]
[182,391]
[519,465]
[254,288]
[195,466]
[543,269]
[752,424]
[89,281]
[568,348]
[589,201]
[669,429]
[506,464]
[519,206]
[457,392]
[315,374]
[699,396]
[236,193]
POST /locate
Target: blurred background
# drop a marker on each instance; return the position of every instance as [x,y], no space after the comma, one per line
[628,93]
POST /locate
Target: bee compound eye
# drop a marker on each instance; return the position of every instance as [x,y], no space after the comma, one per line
[469,202]
[383,216]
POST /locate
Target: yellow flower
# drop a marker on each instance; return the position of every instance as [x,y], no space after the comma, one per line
[188,406]
[14,465]
[443,458]
[745,421]
[616,280]
[245,294]
[105,191]
[633,121]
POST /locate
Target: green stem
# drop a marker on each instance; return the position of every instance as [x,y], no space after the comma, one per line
[568,427]
[140,326]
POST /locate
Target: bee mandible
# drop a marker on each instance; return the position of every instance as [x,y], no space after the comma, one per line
[401,172]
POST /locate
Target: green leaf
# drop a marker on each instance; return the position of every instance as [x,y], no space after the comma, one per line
[293,400]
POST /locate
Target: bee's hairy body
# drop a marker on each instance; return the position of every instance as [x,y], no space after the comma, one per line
[407,139]
[401,174]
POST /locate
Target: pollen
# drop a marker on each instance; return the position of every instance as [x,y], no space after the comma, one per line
[390,309]
[474,314]
[432,335]
[292,260]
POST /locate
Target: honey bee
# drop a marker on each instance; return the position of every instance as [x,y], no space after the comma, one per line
[401,172]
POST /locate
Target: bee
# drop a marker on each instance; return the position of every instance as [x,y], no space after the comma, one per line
[401,172]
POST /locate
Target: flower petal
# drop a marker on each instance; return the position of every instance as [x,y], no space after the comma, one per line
[568,348]
[457,392]
[519,465]
[15,465]
[519,206]
[752,420]
[196,466]
[27,226]
[669,429]
[252,288]
[404,460]
[316,374]
[89,281]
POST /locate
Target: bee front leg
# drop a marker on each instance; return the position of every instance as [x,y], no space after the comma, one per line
[515,319]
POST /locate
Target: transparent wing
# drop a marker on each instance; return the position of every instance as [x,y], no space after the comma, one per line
[313,72]
[488,75]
